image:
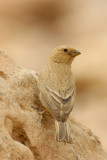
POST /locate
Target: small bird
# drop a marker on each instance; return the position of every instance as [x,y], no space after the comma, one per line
[57,88]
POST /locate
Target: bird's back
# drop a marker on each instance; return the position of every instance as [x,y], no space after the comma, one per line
[57,90]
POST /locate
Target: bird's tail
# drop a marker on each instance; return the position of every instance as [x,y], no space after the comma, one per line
[62,132]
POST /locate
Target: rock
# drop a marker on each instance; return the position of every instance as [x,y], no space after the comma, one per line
[28,134]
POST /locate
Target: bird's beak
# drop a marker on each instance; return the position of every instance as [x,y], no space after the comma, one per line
[75,53]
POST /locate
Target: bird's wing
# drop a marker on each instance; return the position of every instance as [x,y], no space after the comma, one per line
[59,107]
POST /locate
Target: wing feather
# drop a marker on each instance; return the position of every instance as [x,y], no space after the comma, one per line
[59,107]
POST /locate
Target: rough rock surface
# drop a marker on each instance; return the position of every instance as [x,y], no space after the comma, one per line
[28,134]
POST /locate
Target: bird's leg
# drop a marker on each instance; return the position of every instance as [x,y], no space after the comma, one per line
[42,112]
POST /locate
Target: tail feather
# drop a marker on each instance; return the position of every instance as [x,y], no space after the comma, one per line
[62,132]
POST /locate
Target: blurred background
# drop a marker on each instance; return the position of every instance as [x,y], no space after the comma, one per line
[30,29]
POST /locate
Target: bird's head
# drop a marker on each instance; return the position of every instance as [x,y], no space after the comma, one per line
[64,54]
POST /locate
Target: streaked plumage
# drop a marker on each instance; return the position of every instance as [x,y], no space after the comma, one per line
[57,88]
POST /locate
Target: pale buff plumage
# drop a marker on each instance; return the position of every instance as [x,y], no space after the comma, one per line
[57,88]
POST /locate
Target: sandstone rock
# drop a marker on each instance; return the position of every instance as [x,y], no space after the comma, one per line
[26,133]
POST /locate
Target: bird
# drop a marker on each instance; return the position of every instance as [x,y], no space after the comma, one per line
[57,88]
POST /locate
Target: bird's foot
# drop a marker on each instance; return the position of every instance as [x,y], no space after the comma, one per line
[42,112]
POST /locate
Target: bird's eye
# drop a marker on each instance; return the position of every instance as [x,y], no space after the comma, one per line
[65,50]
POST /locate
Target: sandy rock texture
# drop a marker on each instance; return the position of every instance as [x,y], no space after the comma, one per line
[26,133]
